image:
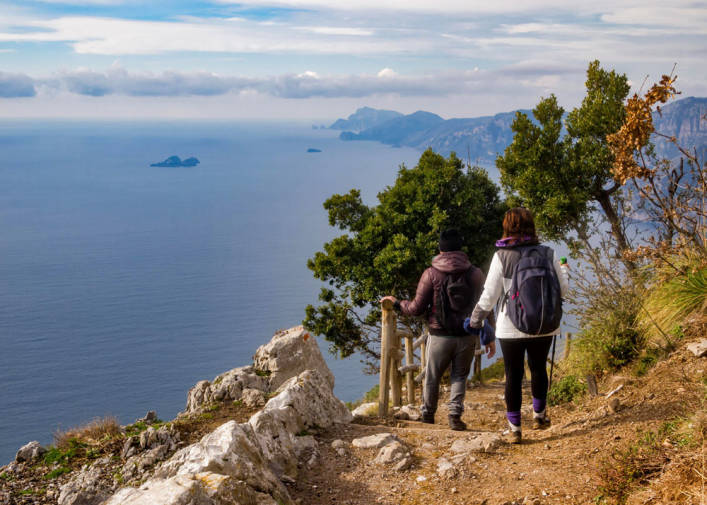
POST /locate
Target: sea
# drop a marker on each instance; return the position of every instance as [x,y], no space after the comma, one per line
[122,285]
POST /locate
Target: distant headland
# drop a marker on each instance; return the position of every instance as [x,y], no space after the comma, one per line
[313,150]
[175,161]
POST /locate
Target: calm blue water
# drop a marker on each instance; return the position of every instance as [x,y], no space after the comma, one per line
[122,285]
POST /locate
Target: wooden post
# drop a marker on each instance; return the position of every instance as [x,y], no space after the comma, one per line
[409,360]
[568,343]
[387,335]
[396,383]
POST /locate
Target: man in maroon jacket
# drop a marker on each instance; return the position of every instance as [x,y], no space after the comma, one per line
[444,347]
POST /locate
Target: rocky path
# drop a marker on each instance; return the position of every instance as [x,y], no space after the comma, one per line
[556,466]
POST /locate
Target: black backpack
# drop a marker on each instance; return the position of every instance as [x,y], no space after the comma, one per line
[534,302]
[456,298]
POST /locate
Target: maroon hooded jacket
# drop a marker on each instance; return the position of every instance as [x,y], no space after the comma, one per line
[430,283]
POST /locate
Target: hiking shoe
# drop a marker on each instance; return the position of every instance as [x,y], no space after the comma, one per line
[512,437]
[513,434]
[428,418]
[456,423]
[541,423]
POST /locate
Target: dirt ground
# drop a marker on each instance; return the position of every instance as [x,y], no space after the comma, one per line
[559,465]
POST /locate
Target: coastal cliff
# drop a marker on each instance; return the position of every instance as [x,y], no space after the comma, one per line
[273,433]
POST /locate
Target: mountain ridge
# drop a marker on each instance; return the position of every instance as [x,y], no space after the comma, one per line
[481,139]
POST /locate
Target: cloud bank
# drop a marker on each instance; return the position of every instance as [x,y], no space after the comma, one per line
[119,81]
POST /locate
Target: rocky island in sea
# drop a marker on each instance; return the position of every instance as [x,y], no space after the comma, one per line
[313,150]
[175,161]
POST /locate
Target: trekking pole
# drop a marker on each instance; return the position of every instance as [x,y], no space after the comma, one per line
[563,263]
[552,361]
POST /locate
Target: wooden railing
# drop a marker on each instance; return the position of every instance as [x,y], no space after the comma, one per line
[391,370]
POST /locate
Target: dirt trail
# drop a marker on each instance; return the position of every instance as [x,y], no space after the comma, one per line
[557,466]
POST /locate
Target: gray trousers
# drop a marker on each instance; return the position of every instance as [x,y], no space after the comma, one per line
[441,353]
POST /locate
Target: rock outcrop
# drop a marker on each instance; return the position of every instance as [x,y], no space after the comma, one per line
[289,353]
[247,463]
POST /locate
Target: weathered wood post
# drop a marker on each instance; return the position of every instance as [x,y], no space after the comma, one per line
[387,335]
[409,360]
[568,344]
[396,382]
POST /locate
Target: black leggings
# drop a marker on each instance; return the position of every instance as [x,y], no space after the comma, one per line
[514,362]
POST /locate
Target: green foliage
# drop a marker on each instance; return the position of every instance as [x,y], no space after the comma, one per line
[609,338]
[648,358]
[386,247]
[561,178]
[263,373]
[7,476]
[495,371]
[670,303]
[370,396]
[565,390]
[302,433]
[57,472]
[64,457]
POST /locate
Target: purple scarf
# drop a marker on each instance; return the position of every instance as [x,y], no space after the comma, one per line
[516,241]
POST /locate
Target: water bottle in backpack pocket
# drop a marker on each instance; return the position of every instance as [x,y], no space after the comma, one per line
[534,301]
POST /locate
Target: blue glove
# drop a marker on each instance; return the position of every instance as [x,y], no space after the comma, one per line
[487,334]
[469,329]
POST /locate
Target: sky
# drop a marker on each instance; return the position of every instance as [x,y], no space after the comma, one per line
[321,59]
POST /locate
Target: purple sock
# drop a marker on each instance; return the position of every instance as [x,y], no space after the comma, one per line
[538,404]
[514,417]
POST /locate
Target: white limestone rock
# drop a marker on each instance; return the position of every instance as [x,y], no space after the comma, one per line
[699,349]
[408,412]
[84,488]
[289,353]
[30,452]
[302,403]
[374,441]
[484,442]
[445,468]
[369,409]
[392,453]
[206,488]
[253,398]
[228,386]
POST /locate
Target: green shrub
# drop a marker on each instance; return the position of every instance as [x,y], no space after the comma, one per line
[57,472]
[565,390]
[609,338]
[670,303]
[495,371]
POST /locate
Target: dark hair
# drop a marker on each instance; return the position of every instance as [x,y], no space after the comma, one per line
[518,222]
[450,240]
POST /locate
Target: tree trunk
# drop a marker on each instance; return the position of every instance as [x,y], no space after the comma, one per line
[604,199]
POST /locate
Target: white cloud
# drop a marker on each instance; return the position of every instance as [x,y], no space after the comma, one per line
[387,72]
[110,36]
[308,84]
[335,30]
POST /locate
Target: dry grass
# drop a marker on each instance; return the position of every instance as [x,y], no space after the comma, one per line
[91,432]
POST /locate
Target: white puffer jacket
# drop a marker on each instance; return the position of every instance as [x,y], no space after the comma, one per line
[496,285]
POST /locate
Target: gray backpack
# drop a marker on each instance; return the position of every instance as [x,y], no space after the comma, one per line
[534,302]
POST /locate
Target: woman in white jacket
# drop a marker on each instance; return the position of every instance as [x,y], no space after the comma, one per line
[518,234]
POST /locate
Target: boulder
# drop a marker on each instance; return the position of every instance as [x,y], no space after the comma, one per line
[374,441]
[445,468]
[288,354]
[247,463]
[85,488]
[30,452]
[366,410]
[485,442]
[228,386]
[699,349]
[408,412]
[395,454]
[253,398]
